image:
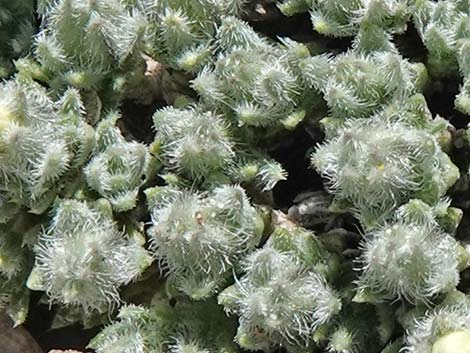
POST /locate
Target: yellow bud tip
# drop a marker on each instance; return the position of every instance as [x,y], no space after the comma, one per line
[250,172]
[77,78]
[291,122]
[245,341]
[321,26]
[455,342]
[6,117]
[463,103]
[156,148]
[381,167]
[190,62]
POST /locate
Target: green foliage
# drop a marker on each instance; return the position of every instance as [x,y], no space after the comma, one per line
[442,330]
[43,144]
[373,165]
[444,29]
[193,143]
[83,258]
[15,265]
[358,84]
[411,257]
[185,327]
[257,84]
[283,297]
[199,240]
[181,31]
[94,46]
[16,31]
[348,17]
[118,168]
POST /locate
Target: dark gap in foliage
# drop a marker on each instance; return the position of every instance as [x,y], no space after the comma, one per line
[40,319]
[464,283]
[292,153]
[440,98]
[351,224]
[277,25]
[464,225]
[70,337]
[37,19]
[460,192]
[336,45]
[298,27]
[137,120]
[137,214]
[144,289]
[410,46]
[441,92]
